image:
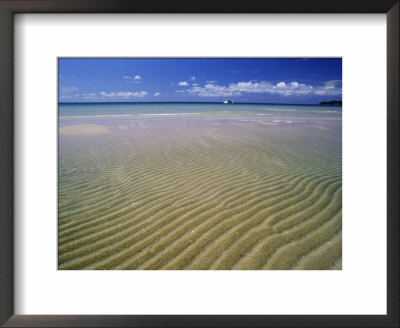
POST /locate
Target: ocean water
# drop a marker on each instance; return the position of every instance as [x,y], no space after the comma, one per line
[96,110]
[199,186]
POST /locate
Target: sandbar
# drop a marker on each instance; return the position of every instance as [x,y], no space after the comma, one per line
[84,129]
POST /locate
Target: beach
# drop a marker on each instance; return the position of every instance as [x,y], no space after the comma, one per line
[199,187]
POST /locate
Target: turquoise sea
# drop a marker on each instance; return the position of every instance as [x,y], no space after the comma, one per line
[97,110]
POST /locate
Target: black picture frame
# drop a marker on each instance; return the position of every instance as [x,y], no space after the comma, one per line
[10,7]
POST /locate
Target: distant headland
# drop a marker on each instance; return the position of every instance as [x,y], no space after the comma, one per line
[332,102]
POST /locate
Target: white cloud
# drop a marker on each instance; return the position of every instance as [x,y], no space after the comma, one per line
[156,94]
[140,94]
[192,78]
[209,90]
[89,95]
[123,94]
[67,92]
[195,84]
[183,83]
[69,89]
[281,88]
[333,83]
[211,82]
[132,79]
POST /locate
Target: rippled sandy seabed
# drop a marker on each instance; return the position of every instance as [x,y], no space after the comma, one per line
[200,192]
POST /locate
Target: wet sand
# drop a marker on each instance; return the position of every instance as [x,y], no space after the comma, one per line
[83,129]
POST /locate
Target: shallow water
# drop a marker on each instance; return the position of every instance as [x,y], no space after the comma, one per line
[214,190]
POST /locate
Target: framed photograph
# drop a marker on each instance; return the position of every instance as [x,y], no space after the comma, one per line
[190,164]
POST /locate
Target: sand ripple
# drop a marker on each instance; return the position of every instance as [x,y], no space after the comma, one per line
[196,195]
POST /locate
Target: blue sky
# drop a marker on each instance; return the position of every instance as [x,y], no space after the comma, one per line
[258,80]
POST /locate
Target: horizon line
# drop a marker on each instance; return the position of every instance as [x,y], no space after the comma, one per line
[188,102]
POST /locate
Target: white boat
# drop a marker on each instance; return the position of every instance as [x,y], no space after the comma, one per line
[228,101]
